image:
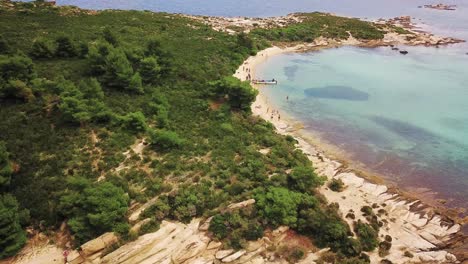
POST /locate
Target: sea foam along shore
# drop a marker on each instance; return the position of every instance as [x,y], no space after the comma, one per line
[413,227]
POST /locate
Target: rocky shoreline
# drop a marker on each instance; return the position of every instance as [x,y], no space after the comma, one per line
[411,36]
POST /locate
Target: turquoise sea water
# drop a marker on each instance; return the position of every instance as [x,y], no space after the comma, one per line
[405,117]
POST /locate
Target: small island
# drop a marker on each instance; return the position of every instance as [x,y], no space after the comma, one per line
[440,7]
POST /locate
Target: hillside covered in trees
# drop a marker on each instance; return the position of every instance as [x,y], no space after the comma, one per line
[80,89]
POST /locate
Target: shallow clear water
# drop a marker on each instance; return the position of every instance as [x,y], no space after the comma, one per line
[402,116]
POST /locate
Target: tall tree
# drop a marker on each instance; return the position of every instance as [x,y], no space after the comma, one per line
[82,105]
[244,41]
[65,47]
[93,208]
[5,47]
[12,236]
[150,70]
[117,70]
[41,49]
[303,179]
[240,94]
[110,36]
[6,168]
[97,57]
[16,67]
[155,48]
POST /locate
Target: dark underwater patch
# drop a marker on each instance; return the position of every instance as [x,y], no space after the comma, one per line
[337,92]
[290,72]
[406,130]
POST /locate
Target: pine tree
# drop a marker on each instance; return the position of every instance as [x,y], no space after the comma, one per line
[41,49]
[12,236]
[135,84]
[150,70]
[65,47]
[5,166]
[118,70]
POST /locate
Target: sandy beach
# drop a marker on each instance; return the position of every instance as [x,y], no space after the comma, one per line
[413,226]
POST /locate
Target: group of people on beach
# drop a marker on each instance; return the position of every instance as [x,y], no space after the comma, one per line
[273,113]
[247,70]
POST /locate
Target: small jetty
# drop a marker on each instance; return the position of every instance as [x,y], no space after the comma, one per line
[269,82]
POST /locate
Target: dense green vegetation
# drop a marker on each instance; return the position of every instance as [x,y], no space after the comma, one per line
[80,90]
[314,25]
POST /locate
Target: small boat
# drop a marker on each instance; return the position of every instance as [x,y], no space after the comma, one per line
[404,52]
[272,81]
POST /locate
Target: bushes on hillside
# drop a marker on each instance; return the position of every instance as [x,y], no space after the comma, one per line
[128,69]
[110,36]
[280,206]
[150,70]
[93,208]
[5,47]
[367,235]
[82,105]
[17,67]
[65,47]
[235,228]
[304,179]
[16,72]
[16,89]
[6,168]
[327,229]
[41,49]
[118,71]
[165,140]
[240,95]
[135,121]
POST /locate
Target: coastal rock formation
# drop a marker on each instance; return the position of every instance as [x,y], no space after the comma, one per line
[411,227]
[180,243]
[232,25]
[93,250]
[411,37]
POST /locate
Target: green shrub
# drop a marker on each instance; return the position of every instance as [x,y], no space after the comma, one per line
[165,140]
[93,208]
[304,179]
[336,185]
[150,70]
[240,94]
[16,67]
[367,235]
[65,47]
[135,122]
[41,49]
